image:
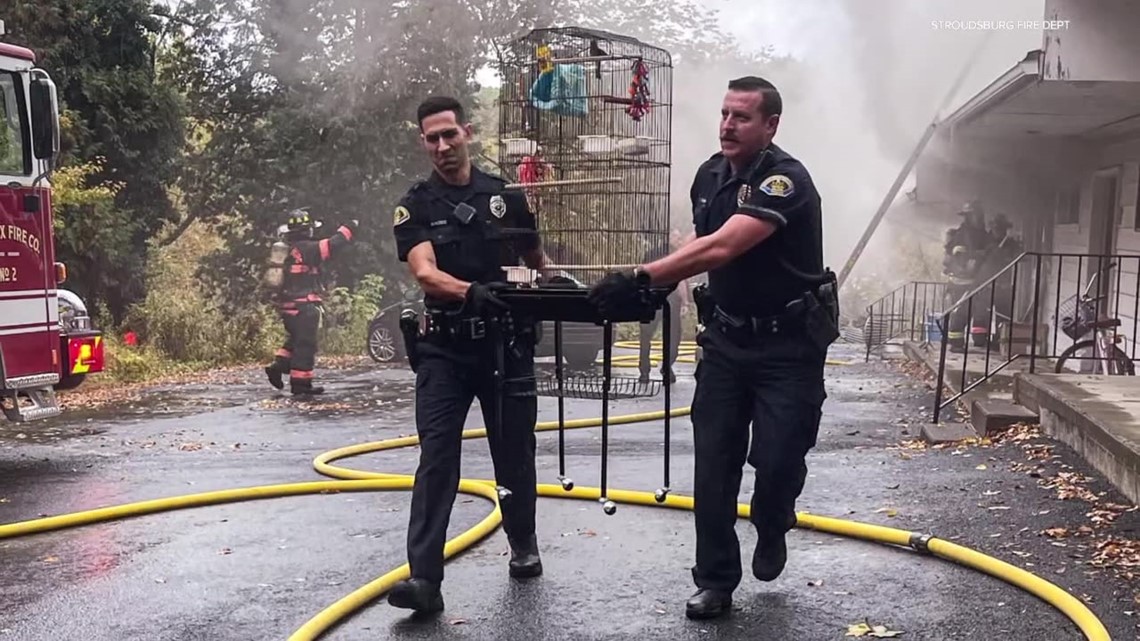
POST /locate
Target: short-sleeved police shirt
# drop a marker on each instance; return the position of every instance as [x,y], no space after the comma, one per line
[500,232]
[776,188]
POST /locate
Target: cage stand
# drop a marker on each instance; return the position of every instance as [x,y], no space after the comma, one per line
[567,483]
[560,305]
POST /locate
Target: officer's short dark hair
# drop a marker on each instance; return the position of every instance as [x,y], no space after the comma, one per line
[772,105]
[440,104]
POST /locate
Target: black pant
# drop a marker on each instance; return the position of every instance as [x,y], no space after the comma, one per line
[449,376]
[962,319]
[650,328]
[298,355]
[769,388]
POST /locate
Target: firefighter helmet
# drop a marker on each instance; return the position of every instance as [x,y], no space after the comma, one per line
[299,223]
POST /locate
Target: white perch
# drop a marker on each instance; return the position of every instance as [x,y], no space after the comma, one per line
[562,183]
[559,61]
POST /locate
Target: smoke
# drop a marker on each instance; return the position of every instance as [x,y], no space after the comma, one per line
[866,81]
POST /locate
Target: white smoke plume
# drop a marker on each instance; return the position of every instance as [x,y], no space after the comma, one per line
[872,75]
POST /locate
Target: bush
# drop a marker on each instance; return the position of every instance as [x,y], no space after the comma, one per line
[347,314]
[180,320]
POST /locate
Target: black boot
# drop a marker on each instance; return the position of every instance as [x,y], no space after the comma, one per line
[525,562]
[420,595]
[708,604]
[304,387]
[770,556]
[275,371]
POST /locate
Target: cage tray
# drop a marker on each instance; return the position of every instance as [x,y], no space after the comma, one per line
[590,386]
[571,305]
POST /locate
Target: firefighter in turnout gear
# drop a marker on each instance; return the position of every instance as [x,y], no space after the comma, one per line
[298,299]
[965,246]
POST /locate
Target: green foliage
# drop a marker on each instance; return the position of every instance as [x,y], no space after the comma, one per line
[123,125]
[190,128]
[347,314]
[184,320]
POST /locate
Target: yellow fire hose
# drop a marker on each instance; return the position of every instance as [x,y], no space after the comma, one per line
[363,481]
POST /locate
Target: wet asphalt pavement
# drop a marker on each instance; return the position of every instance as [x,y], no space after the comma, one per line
[258,570]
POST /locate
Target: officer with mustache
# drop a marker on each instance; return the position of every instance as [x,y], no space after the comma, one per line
[770,312]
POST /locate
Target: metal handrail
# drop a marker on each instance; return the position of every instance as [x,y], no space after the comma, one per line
[986,292]
[908,319]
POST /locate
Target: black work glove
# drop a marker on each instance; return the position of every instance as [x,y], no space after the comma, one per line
[482,301]
[617,291]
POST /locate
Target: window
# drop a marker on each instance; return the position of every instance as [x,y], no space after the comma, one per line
[15,154]
[1069,205]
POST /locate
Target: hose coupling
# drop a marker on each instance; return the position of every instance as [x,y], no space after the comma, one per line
[920,542]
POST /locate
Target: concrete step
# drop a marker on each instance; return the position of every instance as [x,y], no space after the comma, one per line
[992,415]
[1098,416]
[939,433]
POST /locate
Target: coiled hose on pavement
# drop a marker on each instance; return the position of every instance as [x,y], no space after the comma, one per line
[351,480]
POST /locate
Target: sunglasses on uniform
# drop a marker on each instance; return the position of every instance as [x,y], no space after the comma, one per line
[446,134]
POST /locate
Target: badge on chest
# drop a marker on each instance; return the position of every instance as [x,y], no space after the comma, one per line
[498,206]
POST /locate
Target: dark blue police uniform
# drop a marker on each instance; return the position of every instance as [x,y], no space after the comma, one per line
[456,360]
[759,366]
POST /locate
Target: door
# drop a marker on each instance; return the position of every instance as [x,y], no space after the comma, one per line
[29,334]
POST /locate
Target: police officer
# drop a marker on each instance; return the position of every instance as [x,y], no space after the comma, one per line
[757,219]
[456,230]
[299,300]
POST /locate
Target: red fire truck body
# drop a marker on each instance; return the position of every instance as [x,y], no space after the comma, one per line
[37,353]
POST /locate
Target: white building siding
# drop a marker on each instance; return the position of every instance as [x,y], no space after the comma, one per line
[1098,41]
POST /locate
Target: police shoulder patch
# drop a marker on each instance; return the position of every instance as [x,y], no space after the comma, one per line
[402,215]
[778,185]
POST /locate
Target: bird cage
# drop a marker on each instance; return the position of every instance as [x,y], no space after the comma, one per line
[584,130]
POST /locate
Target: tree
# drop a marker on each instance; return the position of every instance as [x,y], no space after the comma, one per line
[122,125]
[309,103]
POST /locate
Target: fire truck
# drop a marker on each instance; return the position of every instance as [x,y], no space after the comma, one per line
[40,348]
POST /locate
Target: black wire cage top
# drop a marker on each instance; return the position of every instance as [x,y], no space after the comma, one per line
[585,122]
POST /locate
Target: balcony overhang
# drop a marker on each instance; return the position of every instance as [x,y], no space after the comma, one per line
[1020,103]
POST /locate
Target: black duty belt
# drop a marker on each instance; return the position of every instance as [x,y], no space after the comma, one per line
[760,325]
[470,328]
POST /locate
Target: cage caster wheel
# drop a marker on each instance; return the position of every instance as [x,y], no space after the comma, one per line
[609,507]
[567,484]
[504,493]
[661,494]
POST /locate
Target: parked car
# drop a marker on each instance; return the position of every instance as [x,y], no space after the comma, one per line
[581,342]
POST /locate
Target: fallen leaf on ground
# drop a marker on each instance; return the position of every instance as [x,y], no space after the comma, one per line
[890,512]
[866,630]
[1118,553]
